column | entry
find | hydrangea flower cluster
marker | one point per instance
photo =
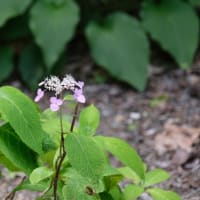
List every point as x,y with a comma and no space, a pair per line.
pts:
54,84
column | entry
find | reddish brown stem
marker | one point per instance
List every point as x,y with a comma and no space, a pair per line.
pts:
74,117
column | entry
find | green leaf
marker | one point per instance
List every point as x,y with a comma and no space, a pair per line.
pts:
16,151
155,176
124,152
127,172
12,8
111,177
77,187
51,125
159,194
6,163
26,185
89,120
53,26
121,47
11,31
116,193
31,66
132,192
23,116
85,156
39,174
174,24
195,2
6,55
105,196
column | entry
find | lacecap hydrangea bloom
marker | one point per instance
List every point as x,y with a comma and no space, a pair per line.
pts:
57,86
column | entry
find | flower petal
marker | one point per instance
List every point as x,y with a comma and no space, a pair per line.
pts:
59,102
81,98
54,107
53,100
40,94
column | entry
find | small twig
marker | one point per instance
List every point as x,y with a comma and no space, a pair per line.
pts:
11,195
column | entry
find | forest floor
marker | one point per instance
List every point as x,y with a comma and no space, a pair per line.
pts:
162,124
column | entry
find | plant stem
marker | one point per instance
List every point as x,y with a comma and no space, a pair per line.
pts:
62,152
74,117
61,157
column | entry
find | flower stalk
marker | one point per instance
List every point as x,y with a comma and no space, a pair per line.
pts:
54,84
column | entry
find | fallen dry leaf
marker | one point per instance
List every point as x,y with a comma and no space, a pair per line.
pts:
176,137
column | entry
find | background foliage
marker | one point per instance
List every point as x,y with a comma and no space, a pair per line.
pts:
35,34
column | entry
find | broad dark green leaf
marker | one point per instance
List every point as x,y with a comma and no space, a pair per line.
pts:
12,8
85,156
132,192
31,66
120,45
16,151
11,31
89,120
6,62
53,26
159,194
77,187
124,153
155,176
23,116
195,2
174,24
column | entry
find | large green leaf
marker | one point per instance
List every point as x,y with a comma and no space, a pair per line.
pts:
195,2
155,176
89,120
174,24
85,156
159,194
123,152
77,187
31,66
11,8
16,151
53,26
22,114
120,45
6,63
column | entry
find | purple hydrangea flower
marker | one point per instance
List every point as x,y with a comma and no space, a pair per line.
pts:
55,103
78,96
56,85
40,94
80,84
